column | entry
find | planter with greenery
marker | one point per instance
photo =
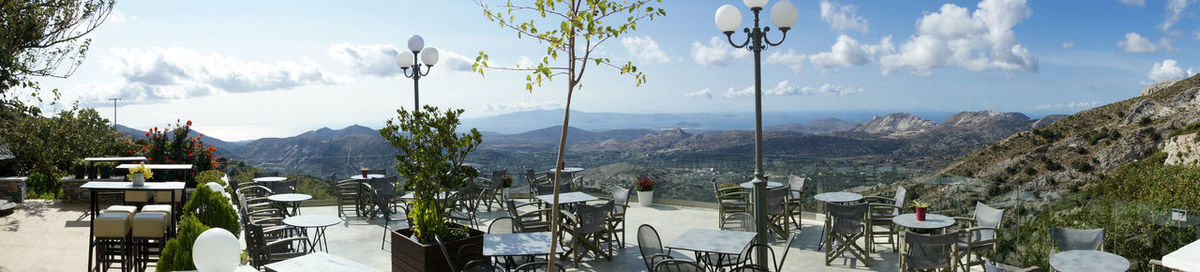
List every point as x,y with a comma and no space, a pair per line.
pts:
206,209
431,158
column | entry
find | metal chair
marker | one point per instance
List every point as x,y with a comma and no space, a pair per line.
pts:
735,222
460,206
349,197
263,252
588,228
749,268
847,224
651,246
381,192
493,192
883,209
730,200
539,266
616,222
923,252
776,263
1075,239
795,202
677,266
534,221
980,235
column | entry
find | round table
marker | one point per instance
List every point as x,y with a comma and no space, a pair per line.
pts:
293,199
1088,260
369,176
567,170
932,221
770,185
269,179
318,222
838,197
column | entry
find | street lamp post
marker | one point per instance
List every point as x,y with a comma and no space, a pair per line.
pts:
406,61
728,19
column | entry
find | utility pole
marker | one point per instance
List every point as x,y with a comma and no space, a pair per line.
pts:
114,120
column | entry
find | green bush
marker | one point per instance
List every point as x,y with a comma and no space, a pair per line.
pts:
177,254
213,209
211,176
43,186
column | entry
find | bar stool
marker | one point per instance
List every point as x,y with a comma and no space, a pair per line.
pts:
120,209
149,230
138,198
157,208
111,230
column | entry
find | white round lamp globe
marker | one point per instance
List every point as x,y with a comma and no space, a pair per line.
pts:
416,43
405,59
429,56
216,250
728,18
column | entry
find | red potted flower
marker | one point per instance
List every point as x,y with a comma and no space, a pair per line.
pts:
645,188
920,208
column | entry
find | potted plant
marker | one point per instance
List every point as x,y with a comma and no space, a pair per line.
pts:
106,169
364,171
645,190
920,208
79,168
431,155
138,174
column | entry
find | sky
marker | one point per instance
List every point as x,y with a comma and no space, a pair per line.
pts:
250,69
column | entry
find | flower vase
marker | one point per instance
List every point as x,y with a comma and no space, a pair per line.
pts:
138,179
646,198
364,173
920,214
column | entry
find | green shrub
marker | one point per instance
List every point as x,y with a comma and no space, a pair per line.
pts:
1082,166
213,209
211,176
177,254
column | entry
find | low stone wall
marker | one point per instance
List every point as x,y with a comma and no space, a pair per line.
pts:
12,188
70,188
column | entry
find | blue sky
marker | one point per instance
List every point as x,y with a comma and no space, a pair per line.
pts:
250,69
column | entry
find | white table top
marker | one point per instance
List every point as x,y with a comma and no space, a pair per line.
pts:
1186,258
110,159
712,240
770,185
369,176
567,170
158,166
312,221
439,196
567,198
319,261
1088,261
289,197
838,197
932,221
516,244
269,179
122,185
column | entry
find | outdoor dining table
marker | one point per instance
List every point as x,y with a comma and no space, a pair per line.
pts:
290,200
439,196
94,187
568,198
319,262
725,242
1088,261
932,223
269,179
1186,258
749,185
369,176
317,222
175,166
834,197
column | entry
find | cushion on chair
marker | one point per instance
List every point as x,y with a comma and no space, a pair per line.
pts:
111,225
149,224
120,208
157,208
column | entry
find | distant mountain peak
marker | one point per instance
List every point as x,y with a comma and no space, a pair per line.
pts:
895,124
326,133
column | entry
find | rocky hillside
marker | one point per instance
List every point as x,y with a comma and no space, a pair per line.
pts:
819,126
895,124
321,152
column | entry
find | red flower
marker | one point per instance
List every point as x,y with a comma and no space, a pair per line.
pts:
189,123
147,134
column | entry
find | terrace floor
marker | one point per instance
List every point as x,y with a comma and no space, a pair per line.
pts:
51,236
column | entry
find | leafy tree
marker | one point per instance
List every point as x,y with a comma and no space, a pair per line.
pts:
48,145
431,158
44,38
576,29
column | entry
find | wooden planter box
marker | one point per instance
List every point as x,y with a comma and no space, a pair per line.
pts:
410,255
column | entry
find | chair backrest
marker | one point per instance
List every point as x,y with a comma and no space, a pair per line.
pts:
649,244
677,266
901,194
1076,239
986,216
502,225
796,186
738,221
539,266
540,189
497,177
256,245
620,197
847,219
775,199
280,187
750,268
385,190
445,253
255,191
929,251
593,219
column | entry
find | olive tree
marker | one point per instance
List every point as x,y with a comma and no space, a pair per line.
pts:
573,29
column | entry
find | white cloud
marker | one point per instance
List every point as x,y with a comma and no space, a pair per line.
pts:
523,105
1069,106
1196,35
1174,10
847,52
1165,44
789,58
718,52
1136,3
157,74
644,49
705,93
785,88
842,17
1068,44
979,41
380,59
1135,43
1168,69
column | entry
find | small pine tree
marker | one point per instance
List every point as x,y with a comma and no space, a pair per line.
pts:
177,254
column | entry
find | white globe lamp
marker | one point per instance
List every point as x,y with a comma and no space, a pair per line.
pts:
784,14
416,43
216,250
429,56
753,4
728,18
405,59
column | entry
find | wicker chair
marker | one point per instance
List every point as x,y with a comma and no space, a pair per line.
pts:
923,252
677,266
978,236
588,228
847,224
883,209
1074,239
651,246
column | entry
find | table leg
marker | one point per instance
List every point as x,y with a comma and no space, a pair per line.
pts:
92,227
